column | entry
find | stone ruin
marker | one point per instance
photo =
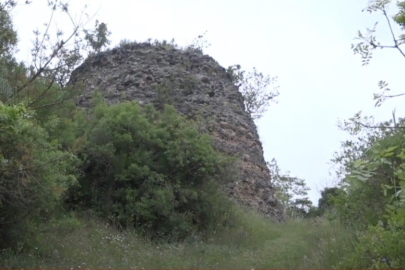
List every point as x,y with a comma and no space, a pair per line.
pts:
197,86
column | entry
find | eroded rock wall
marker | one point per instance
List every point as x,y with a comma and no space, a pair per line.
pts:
196,85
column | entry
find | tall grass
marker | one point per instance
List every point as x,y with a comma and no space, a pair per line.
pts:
255,243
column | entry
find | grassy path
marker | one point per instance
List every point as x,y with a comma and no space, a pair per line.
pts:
256,244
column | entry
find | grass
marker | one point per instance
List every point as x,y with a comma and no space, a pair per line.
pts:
256,243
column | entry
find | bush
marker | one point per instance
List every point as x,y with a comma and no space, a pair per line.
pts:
34,173
363,207
152,171
372,167
380,246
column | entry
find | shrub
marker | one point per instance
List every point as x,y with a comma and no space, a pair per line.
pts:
363,207
380,246
33,172
152,171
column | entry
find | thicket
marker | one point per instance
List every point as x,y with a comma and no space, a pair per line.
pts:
151,171
35,173
133,167
370,197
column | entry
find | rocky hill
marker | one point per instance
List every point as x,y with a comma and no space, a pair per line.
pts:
198,87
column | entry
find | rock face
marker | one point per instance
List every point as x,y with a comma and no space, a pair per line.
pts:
197,86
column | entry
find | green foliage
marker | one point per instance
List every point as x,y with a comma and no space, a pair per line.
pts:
34,173
98,38
292,192
326,202
54,57
371,198
313,212
37,160
5,87
369,167
165,92
254,88
9,69
379,246
151,171
368,41
8,36
255,243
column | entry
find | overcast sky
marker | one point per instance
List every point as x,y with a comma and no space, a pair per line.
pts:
305,43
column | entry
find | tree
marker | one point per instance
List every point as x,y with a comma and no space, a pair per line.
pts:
372,198
366,167
373,202
151,171
8,42
384,152
98,38
325,203
8,36
37,148
54,58
368,42
254,87
292,192
34,172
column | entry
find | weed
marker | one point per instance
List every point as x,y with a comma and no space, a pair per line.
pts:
255,243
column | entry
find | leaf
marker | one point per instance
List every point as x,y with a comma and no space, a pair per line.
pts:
362,178
402,155
388,154
391,149
368,175
358,164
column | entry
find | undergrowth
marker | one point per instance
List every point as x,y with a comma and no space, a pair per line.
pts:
83,241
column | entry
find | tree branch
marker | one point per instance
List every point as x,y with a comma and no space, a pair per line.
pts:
43,93
403,94
367,126
392,33
40,70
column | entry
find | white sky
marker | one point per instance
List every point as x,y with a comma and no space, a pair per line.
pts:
306,43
